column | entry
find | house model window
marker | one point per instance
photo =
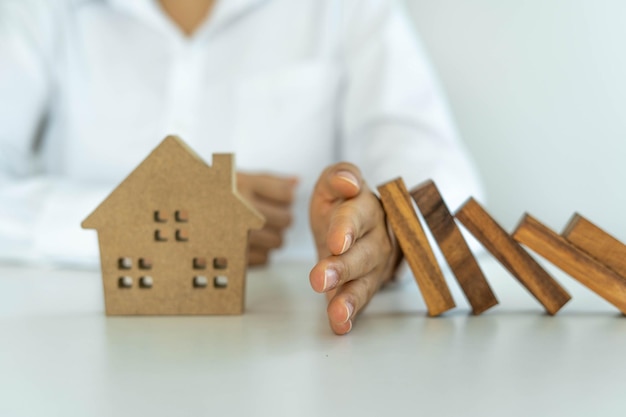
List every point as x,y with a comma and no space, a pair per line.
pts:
162,234
124,263
145,282
220,282
182,235
173,236
220,266
199,263
160,216
220,263
181,216
200,281
145,263
125,282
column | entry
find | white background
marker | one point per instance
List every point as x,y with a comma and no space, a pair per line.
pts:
538,90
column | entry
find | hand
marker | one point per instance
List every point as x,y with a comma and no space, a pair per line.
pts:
272,196
356,251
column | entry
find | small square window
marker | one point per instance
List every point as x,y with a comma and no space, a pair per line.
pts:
125,282
160,236
220,263
160,216
124,263
182,235
145,282
145,263
220,282
182,216
200,282
199,263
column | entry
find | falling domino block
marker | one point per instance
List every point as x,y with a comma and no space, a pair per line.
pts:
414,244
581,266
453,246
514,258
589,238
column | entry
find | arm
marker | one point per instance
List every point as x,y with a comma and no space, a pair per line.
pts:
394,123
395,119
39,214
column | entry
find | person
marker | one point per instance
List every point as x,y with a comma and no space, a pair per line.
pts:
320,101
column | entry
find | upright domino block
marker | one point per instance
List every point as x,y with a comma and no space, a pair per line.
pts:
514,258
414,244
589,238
556,249
453,246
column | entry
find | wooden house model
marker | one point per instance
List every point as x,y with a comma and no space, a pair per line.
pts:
173,236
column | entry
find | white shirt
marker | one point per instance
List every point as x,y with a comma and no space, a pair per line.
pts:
88,88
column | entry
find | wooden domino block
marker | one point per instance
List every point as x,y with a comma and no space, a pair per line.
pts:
514,258
589,238
556,249
414,244
453,246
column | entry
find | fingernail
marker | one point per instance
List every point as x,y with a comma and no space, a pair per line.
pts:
331,278
349,177
349,311
347,241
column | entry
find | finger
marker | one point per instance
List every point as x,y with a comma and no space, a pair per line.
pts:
351,220
349,300
274,188
277,217
366,254
265,239
257,257
337,182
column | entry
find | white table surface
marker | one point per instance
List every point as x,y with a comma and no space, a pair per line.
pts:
61,356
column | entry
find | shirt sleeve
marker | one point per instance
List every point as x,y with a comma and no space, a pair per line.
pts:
39,215
395,120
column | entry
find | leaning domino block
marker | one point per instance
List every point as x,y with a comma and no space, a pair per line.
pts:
414,244
589,238
514,258
581,266
453,246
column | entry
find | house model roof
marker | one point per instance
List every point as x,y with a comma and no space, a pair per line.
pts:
174,175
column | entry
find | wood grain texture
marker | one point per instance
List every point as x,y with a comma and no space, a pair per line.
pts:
589,238
514,258
589,272
454,247
414,244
